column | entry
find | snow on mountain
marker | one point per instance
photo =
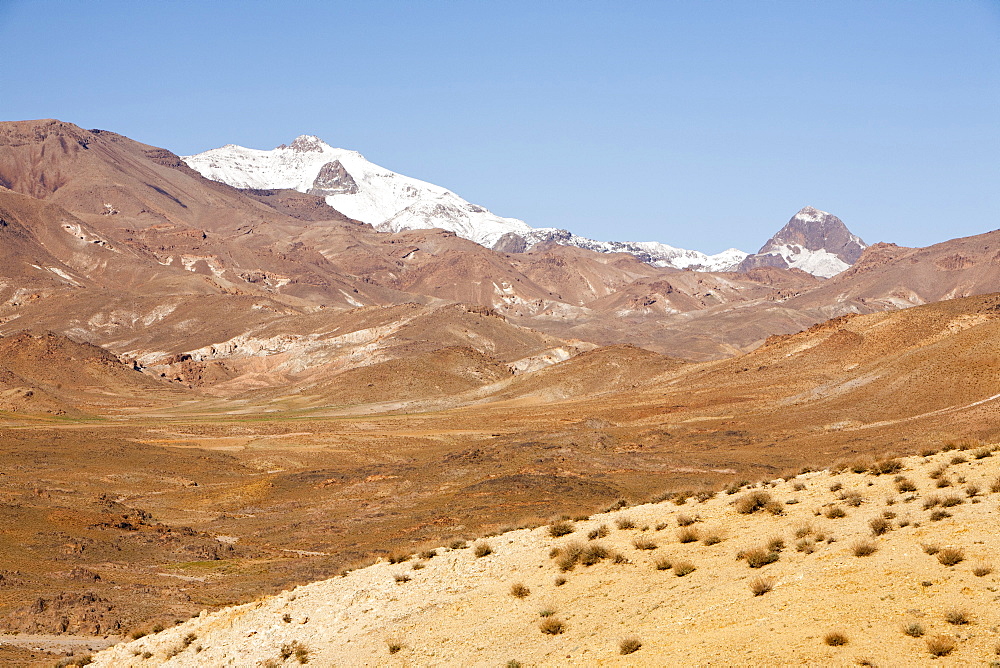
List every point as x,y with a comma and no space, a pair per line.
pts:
814,241
392,202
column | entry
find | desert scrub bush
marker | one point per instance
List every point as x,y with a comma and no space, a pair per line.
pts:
761,585
972,490
458,544
958,459
864,548
943,482
931,501
752,502
776,544
711,538
905,485
398,558
629,645
428,554
599,532
758,557
836,487
644,543
568,555
805,546
940,645
482,549
418,565
736,487
593,553
951,501
995,485
939,515
619,558
625,523
957,617
913,629
680,498
879,526
662,563
400,578
938,472
886,466
776,508
519,590
853,499
982,569
950,556
561,528
982,453
799,486
296,649
860,465
660,526
931,549
394,645
835,638
834,512
684,520
188,639
803,530
682,568
560,581
552,626
688,535
704,495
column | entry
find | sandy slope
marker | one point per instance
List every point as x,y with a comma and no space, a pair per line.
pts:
458,610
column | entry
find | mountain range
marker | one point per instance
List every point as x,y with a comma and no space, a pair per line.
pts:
392,202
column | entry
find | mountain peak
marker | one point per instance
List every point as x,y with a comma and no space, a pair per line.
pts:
307,143
814,241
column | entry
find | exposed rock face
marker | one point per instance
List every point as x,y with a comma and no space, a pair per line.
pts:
333,179
814,241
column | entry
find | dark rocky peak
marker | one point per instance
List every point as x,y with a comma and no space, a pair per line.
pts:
333,179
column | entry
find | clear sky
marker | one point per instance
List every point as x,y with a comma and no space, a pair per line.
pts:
699,124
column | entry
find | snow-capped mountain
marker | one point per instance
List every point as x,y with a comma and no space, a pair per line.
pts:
814,241
392,202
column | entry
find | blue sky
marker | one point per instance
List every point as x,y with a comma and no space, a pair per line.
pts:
700,124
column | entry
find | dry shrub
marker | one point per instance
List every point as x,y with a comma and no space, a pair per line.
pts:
879,526
629,645
834,512
428,554
561,528
952,501
712,538
905,485
886,466
519,590
804,530
940,645
682,568
761,585
593,554
806,546
982,569
569,555
957,617
685,520
950,556
624,523
931,501
798,487
644,543
752,502
552,626
662,563
995,486
417,565
853,499
394,645
560,581
931,549
938,472
864,548
835,639
482,549
704,495
836,487
776,544
958,459
942,482
982,453
599,532
760,556
401,578
939,515
457,544
972,491
913,629
398,558
688,535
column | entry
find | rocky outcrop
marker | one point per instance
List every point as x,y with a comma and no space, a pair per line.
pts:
333,179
